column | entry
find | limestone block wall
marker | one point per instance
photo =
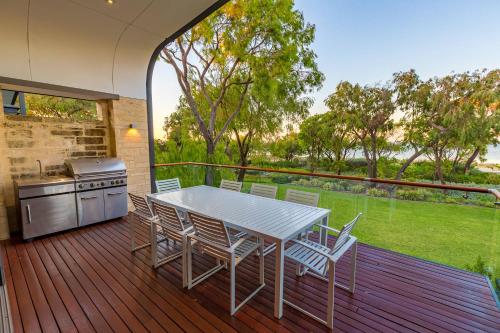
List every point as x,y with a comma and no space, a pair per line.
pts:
131,144
25,139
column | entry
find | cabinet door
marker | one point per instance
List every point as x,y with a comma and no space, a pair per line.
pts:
115,202
90,207
45,215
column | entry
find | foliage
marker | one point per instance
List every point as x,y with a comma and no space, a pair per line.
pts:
376,192
311,140
287,147
60,107
242,60
367,112
480,266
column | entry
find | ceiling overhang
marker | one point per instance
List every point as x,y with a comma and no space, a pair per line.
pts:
89,44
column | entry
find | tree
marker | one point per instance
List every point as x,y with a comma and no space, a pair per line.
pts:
287,147
480,107
368,111
239,50
337,136
311,140
60,107
413,98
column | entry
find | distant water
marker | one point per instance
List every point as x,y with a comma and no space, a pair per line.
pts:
493,155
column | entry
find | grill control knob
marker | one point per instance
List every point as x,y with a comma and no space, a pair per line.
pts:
102,183
121,181
112,182
91,184
80,186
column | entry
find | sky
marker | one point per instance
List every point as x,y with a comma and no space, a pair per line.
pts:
367,41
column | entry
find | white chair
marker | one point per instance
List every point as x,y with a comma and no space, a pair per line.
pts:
319,261
231,185
300,197
170,225
261,190
168,185
214,240
141,215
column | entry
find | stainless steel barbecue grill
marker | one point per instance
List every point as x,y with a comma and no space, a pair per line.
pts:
95,190
101,188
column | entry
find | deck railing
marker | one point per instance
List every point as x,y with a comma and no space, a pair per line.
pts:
454,225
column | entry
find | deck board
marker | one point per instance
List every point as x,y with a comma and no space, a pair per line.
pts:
87,280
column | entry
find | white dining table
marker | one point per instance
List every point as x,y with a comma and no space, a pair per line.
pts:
273,220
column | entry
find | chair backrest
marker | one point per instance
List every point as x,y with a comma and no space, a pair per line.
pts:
267,191
344,234
231,185
141,205
168,216
168,185
301,197
210,229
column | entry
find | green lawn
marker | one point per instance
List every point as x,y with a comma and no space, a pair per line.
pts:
446,233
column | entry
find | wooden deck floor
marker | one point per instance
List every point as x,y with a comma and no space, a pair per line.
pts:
87,280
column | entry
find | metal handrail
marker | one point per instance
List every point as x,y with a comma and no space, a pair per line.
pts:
494,192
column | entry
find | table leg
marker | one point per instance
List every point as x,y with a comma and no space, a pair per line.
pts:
324,232
278,279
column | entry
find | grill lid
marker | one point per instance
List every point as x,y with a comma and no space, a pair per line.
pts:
83,167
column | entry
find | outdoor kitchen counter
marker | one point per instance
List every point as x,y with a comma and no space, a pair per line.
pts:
44,181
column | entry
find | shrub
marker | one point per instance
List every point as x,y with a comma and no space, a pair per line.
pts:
414,195
357,189
281,179
375,192
316,182
328,186
480,266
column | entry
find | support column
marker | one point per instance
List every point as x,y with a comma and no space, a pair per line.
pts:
131,143
4,223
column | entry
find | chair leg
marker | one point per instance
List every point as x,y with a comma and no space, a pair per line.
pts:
261,261
232,290
331,295
352,280
184,262
154,245
189,264
131,229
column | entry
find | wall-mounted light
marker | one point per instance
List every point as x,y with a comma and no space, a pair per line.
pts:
132,125
110,2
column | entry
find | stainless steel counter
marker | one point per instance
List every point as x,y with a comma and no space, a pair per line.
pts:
43,181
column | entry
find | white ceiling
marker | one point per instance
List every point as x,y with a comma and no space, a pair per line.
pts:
88,44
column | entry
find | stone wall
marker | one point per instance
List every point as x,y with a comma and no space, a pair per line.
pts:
23,140
27,139
131,144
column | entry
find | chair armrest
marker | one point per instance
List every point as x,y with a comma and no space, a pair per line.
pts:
328,228
312,248
238,243
340,252
205,241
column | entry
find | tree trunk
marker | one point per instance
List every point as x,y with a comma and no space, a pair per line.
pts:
241,174
454,166
409,161
374,156
471,159
438,166
209,171
368,160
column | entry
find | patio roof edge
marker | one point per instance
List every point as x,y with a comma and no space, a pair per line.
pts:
53,90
